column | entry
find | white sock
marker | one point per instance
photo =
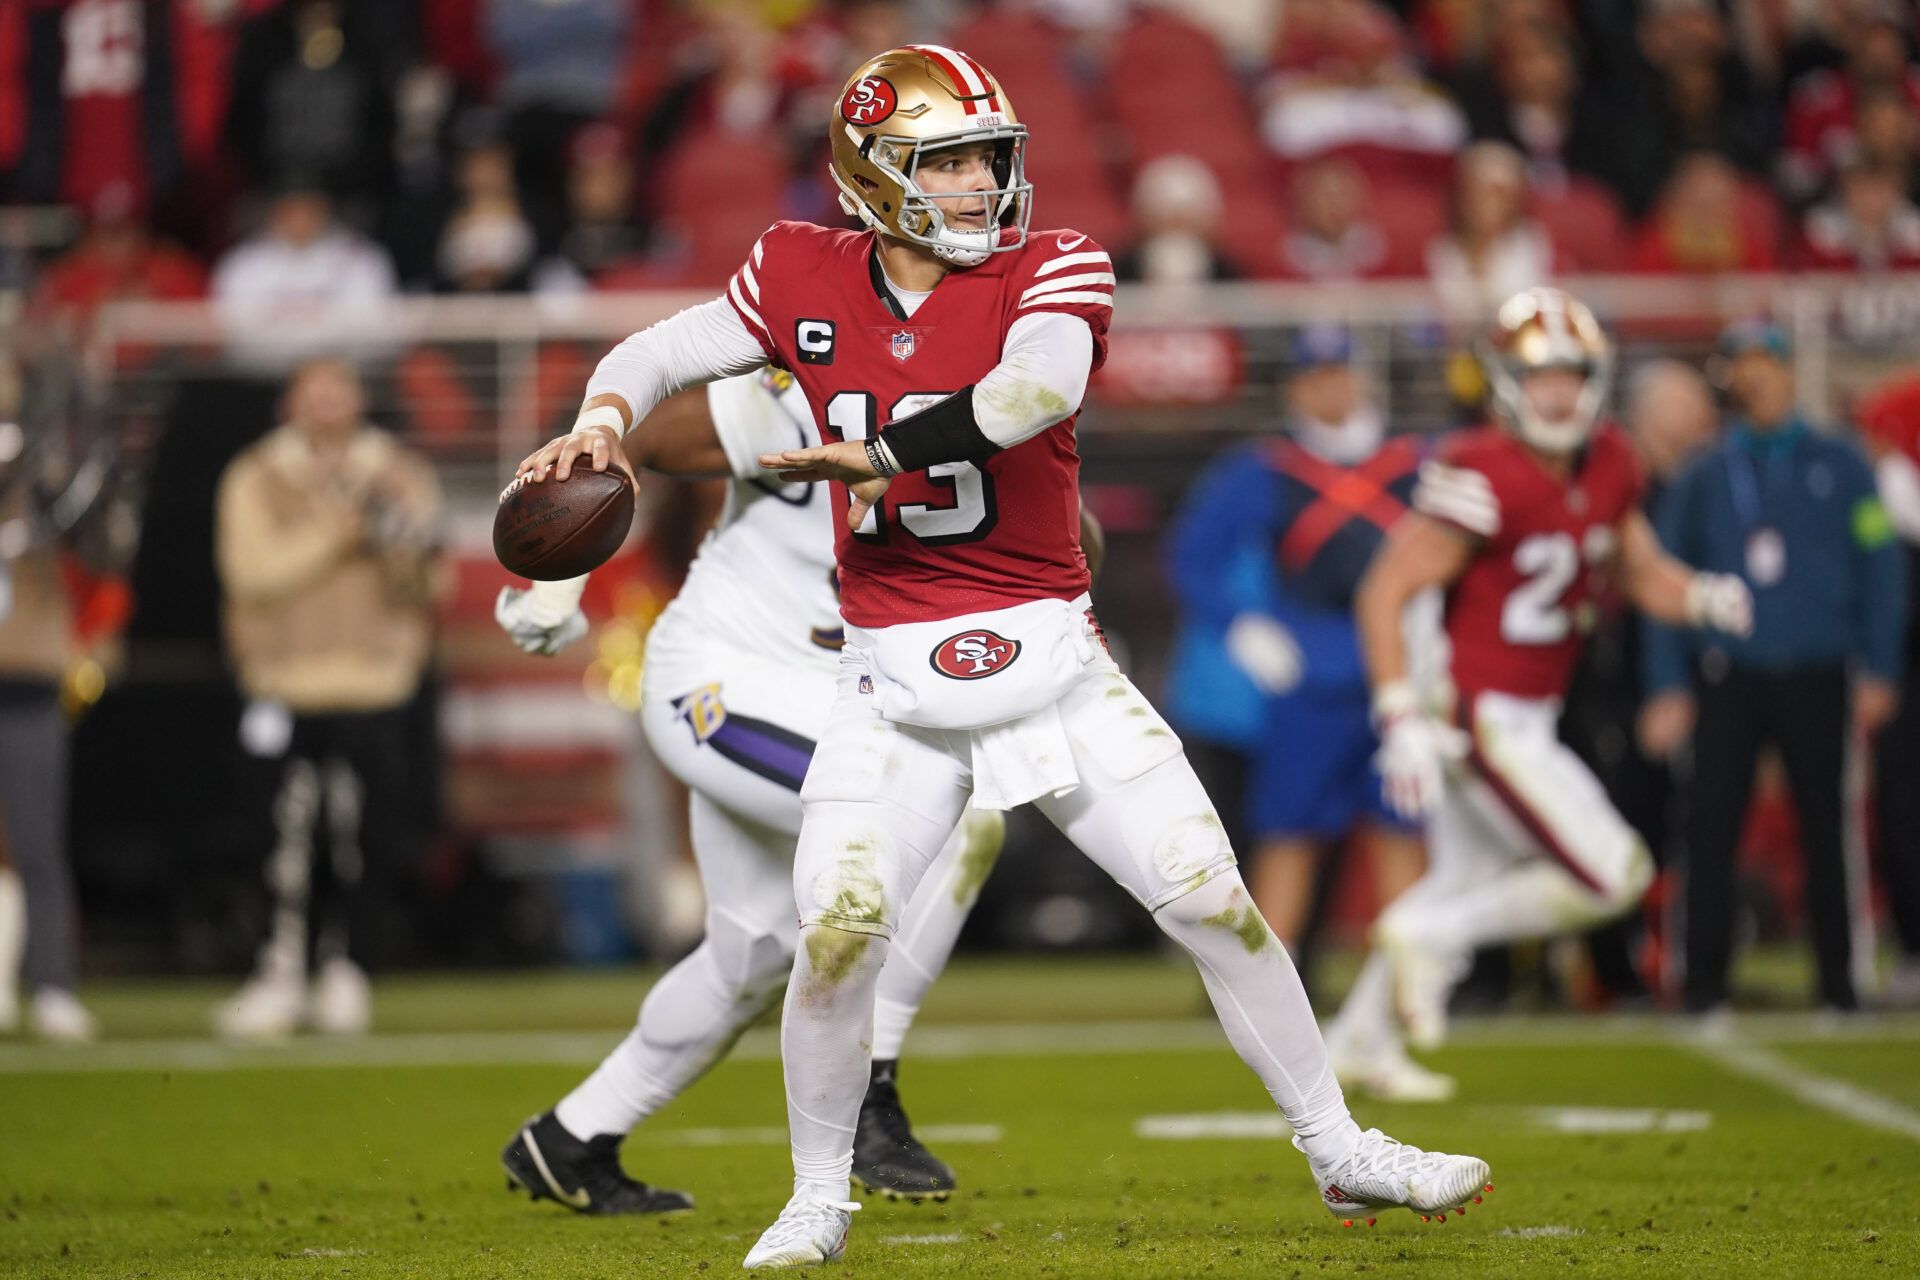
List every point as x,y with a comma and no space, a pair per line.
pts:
826,1031
1365,1024
13,933
891,1019
1531,899
931,925
687,1023
1264,1009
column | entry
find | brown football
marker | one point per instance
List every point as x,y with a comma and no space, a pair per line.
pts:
563,528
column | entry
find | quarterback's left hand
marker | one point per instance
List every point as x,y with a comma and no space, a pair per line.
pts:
1721,602
534,628
843,460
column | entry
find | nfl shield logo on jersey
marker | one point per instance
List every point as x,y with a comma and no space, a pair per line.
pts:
902,345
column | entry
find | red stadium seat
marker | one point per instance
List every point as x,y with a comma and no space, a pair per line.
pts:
1586,223
704,239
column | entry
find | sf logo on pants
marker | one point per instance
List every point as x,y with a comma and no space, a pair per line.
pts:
973,654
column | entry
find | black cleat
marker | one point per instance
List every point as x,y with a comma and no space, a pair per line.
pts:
887,1158
548,1163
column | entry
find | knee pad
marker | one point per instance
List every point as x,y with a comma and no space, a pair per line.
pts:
750,957
836,960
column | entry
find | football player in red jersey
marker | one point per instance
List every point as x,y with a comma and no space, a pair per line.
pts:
1520,523
944,350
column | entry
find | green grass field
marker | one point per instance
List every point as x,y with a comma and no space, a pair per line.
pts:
161,1154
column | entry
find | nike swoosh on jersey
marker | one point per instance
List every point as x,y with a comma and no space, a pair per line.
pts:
1064,244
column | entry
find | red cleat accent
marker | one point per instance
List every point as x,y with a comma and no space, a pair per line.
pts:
1489,1186
1426,1217
1443,1217
1346,1222
1478,1199
1462,1211
1371,1221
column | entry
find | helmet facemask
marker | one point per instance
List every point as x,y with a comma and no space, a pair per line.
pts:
1564,435
1539,330
899,160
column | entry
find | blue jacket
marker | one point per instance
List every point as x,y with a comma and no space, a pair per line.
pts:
1229,553
1842,597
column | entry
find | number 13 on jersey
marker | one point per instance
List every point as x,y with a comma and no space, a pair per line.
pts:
970,514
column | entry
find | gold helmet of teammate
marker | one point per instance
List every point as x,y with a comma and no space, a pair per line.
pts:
1538,329
911,101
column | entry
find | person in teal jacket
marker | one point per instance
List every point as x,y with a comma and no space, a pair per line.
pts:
1795,513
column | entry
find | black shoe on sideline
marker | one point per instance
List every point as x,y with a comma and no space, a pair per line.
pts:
548,1163
887,1158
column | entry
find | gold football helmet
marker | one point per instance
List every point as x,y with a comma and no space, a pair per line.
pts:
906,103
1545,328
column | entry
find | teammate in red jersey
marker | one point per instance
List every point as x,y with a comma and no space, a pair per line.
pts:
1523,523
945,351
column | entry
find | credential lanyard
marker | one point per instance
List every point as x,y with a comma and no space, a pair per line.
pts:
1744,482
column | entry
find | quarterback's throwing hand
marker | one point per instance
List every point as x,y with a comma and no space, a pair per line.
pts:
598,445
534,628
843,460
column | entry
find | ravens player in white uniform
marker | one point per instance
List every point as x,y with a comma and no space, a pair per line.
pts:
738,678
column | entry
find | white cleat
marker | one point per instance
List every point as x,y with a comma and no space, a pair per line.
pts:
268,1007
1391,1076
342,1002
807,1233
59,1017
1382,1173
1423,980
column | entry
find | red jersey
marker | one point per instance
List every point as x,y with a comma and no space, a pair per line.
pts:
958,538
1519,614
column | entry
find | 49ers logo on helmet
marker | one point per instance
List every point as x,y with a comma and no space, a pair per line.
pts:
972,655
869,101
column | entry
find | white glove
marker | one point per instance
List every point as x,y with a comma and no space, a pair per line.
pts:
1720,601
1415,750
1266,651
544,620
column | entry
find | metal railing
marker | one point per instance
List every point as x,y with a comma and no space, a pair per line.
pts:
515,365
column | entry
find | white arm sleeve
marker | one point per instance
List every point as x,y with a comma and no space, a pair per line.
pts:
1040,380
698,345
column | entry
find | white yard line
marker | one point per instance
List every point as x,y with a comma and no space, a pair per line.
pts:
934,1041
769,1136
1843,1099
1213,1126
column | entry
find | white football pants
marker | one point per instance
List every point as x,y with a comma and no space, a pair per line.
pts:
880,802
1525,844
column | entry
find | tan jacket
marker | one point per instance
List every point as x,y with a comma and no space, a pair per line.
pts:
319,616
36,618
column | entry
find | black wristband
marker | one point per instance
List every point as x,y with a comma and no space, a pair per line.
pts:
877,458
945,432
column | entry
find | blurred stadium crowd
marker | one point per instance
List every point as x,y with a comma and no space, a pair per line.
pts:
358,148
271,157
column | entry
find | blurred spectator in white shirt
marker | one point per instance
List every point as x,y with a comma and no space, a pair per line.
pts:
1491,249
300,286
1176,218
1869,225
1331,235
